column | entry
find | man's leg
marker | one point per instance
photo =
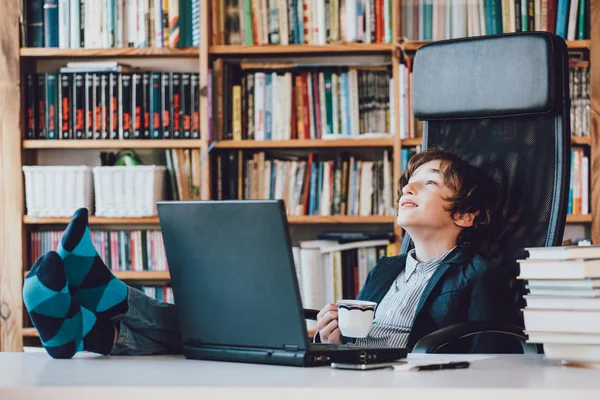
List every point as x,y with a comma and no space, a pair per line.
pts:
148,327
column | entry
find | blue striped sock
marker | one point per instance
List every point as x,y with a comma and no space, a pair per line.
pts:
90,280
64,326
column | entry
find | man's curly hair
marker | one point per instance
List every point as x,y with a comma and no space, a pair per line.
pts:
474,192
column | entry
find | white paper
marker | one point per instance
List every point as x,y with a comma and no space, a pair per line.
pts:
418,359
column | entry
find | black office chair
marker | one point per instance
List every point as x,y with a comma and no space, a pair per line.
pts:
502,103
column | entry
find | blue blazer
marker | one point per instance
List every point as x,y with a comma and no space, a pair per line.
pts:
462,289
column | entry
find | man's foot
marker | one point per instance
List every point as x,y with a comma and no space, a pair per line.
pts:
64,326
89,279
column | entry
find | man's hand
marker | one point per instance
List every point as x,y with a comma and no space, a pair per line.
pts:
327,324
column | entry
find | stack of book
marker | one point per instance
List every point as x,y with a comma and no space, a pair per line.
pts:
563,303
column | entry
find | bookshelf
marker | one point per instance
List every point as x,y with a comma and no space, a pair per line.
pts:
15,152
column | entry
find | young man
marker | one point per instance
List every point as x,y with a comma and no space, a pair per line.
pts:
446,206
77,304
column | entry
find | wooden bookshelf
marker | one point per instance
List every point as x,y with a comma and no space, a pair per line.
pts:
353,48
411,142
342,219
581,140
334,219
579,219
112,144
28,220
303,143
52,52
144,276
30,332
571,44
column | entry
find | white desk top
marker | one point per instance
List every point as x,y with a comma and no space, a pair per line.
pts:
37,376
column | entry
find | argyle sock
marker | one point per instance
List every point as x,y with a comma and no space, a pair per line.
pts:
89,279
64,326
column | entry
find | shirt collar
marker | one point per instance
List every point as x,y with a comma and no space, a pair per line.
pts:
427,266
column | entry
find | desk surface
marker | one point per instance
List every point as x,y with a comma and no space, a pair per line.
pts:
37,376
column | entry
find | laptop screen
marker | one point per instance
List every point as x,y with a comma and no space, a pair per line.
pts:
233,274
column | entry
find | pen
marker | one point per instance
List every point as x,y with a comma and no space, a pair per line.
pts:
450,365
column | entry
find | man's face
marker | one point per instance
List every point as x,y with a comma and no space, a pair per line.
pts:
422,204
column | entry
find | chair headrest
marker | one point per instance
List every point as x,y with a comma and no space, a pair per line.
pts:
488,76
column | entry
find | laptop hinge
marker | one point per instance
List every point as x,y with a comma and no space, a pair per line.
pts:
290,347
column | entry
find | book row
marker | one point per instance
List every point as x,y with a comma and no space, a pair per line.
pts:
317,22
122,250
344,185
449,19
111,23
329,271
322,103
145,105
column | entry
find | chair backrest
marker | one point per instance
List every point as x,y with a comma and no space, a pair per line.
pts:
502,103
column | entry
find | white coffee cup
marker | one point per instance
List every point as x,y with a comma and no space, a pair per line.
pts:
355,317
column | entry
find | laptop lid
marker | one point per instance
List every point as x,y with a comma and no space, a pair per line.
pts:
232,272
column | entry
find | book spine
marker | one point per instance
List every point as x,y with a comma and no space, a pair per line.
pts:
41,106
51,23
97,106
89,106
195,101
165,106
30,107
126,106
114,120
78,105
145,106
50,102
250,105
35,23
74,23
63,24
66,125
105,106
186,105
176,105
82,23
137,106
155,98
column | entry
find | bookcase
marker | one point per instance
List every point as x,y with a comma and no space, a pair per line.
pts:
16,151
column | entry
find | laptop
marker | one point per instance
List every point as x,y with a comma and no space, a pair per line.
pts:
234,282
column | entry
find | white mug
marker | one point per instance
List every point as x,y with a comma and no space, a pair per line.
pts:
355,317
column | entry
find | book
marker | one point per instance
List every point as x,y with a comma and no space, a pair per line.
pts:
563,252
574,321
562,303
559,269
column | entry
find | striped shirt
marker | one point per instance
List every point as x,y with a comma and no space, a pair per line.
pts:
395,313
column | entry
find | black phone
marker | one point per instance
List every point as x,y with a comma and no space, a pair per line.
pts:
361,367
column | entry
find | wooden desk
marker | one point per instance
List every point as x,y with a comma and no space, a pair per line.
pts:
37,376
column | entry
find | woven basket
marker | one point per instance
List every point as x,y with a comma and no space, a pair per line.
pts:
57,191
128,191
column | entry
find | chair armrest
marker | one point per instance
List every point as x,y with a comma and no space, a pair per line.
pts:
310,314
434,341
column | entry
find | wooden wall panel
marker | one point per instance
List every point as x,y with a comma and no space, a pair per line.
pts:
11,183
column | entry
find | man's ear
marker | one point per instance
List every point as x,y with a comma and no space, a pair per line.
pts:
465,220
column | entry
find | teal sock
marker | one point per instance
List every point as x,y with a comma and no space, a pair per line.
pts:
64,326
89,279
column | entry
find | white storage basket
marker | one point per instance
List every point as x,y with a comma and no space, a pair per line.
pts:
57,191
128,191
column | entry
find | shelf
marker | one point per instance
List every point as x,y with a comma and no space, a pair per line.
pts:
585,140
30,332
143,275
92,220
342,219
112,144
579,219
53,52
303,143
354,48
412,142
571,44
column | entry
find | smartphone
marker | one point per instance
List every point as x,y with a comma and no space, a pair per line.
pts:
361,367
